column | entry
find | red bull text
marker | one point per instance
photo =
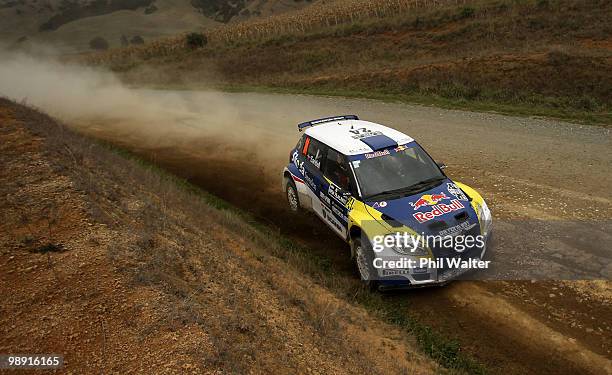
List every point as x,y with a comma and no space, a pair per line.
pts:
438,210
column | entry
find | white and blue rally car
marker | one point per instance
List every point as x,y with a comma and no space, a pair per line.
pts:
368,182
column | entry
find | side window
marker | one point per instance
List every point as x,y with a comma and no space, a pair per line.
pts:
314,151
300,144
337,170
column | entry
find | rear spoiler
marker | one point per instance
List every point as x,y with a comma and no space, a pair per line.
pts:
308,124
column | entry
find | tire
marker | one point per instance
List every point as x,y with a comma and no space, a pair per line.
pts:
292,196
364,257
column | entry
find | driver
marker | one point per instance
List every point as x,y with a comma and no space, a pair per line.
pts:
341,172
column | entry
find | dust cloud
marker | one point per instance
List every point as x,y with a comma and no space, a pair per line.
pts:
80,95
96,102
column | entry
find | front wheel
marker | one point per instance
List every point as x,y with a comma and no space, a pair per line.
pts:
292,196
364,263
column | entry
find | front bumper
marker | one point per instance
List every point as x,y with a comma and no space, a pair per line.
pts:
431,277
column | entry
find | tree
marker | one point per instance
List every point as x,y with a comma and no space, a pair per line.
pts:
98,43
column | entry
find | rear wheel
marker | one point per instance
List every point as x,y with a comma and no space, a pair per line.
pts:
364,259
292,196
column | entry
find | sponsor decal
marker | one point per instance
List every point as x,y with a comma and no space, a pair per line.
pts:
300,166
361,133
438,210
329,217
334,192
381,204
298,163
324,198
338,212
310,181
315,162
377,154
400,148
457,229
395,272
350,203
428,200
456,191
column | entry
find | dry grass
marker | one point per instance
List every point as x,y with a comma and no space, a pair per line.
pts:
323,15
315,17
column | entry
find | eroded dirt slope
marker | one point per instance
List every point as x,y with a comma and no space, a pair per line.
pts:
112,265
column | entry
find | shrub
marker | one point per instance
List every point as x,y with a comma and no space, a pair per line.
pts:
196,40
150,9
466,12
557,56
98,43
137,39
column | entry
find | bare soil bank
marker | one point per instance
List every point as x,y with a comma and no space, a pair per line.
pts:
121,270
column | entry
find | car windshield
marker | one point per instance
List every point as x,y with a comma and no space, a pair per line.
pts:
395,171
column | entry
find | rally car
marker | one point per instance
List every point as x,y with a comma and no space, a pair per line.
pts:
368,181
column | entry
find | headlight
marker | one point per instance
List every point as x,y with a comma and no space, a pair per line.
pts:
485,218
405,245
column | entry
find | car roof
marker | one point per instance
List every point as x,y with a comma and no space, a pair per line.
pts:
343,136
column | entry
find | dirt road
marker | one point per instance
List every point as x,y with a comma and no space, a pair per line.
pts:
547,183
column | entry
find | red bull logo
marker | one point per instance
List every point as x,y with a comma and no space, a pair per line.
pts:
428,200
438,210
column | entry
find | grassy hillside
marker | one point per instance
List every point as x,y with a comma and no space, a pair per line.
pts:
539,57
70,25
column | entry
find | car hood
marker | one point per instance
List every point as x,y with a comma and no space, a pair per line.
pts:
441,209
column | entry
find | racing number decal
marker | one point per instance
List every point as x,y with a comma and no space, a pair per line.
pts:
359,131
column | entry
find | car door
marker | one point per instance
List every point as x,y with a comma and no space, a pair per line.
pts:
311,158
337,187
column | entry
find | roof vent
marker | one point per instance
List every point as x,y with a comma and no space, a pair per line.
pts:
379,142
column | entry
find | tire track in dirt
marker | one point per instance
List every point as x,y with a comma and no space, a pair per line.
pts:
465,310
517,325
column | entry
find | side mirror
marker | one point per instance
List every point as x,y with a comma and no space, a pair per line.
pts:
441,165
